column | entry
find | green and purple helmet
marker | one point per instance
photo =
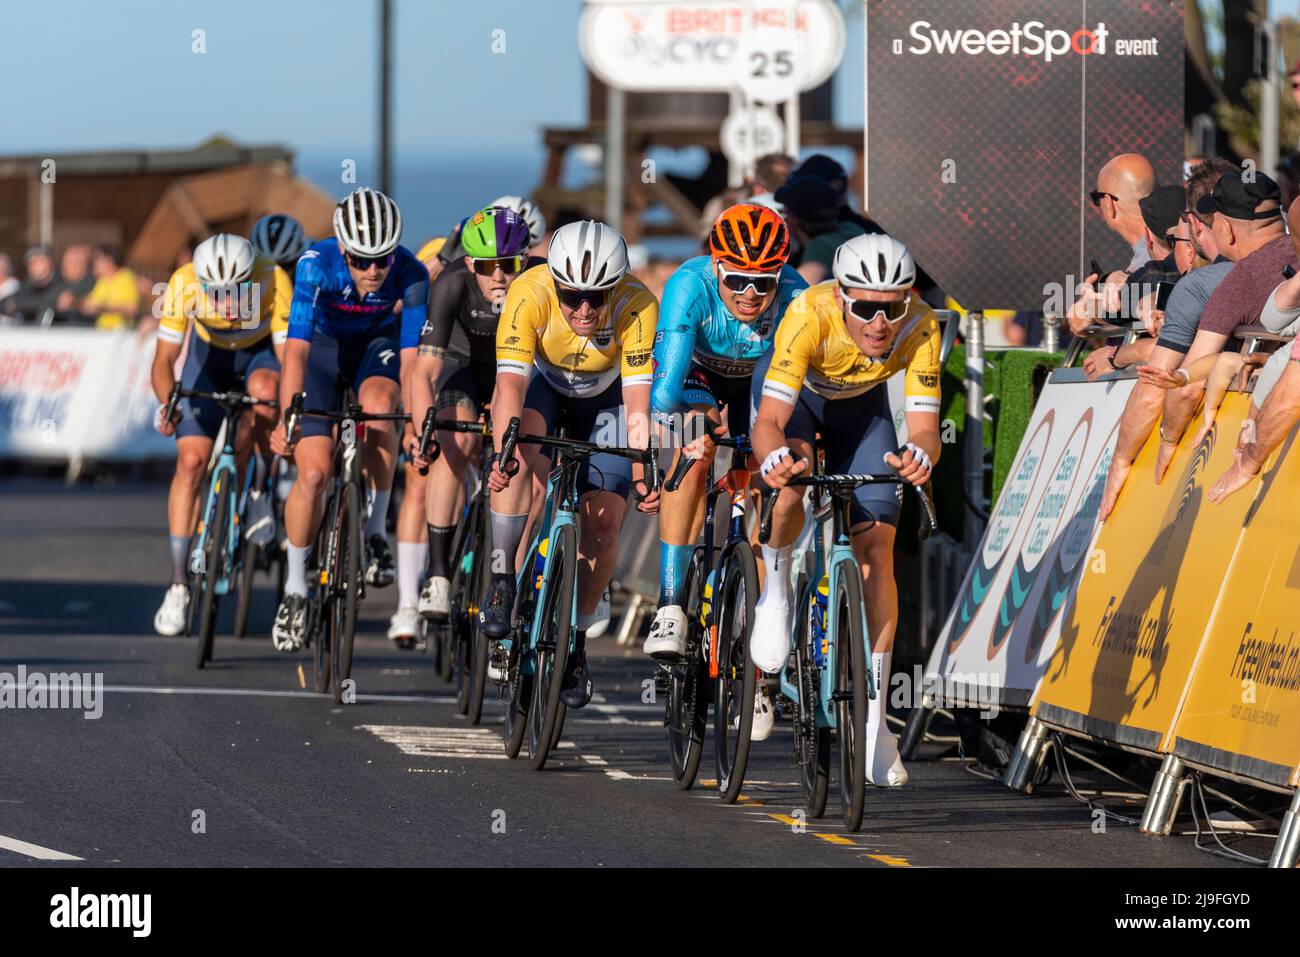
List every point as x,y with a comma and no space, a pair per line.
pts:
494,233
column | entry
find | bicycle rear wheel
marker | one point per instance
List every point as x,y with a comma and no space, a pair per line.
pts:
214,550
320,622
813,742
851,694
552,648
247,576
737,681
472,646
688,704
345,585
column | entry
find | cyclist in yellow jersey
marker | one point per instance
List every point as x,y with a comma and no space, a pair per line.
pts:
835,347
576,335
239,306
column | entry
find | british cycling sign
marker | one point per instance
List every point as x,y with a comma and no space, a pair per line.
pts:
698,47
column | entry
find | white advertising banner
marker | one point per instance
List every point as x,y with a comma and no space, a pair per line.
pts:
697,47
1000,633
77,393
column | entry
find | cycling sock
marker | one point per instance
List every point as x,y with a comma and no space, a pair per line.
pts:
674,563
440,537
377,522
295,579
776,579
507,530
410,566
180,548
876,706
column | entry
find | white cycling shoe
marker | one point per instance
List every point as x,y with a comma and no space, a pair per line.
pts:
435,599
601,616
884,765
764,716
404,626
169,621
769,645
667,639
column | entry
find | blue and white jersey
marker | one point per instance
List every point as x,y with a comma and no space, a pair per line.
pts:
695,327
326,300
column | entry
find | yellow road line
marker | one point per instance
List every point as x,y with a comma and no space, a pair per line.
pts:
835,839
890,859
302,678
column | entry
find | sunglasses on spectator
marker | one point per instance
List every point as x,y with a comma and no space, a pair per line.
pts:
507,264
1171,239
739,282
867,310
574,298
363,263
1097,194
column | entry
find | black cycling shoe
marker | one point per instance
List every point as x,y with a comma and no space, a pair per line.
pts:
576,690
494,615
380,571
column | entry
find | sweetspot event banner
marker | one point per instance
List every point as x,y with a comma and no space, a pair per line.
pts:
1003,627
987,123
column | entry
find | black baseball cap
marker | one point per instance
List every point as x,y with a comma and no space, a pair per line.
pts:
825,168
1236,198
809,198
1162,209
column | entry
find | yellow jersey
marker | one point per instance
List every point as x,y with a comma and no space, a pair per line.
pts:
118,296
812,347
533,333
429,251
260,309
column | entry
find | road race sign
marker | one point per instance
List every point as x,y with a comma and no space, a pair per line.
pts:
749,132
701,46
986,125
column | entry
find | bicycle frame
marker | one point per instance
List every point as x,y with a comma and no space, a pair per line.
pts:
735,485
226,467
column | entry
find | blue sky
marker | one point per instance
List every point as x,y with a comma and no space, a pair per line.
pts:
96,74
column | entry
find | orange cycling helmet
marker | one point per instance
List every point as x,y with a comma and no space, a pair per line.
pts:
750,237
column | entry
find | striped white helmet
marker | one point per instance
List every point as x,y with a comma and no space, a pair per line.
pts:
223,260
874,261
278,237
368,223
530,214
587,255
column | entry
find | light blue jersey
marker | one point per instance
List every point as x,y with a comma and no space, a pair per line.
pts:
696,328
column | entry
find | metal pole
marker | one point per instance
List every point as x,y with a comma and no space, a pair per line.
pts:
1269,116
792,104
615,154
1162,802
735,172
973,450
1051,333
47,214
385,101
1287,849
1028,757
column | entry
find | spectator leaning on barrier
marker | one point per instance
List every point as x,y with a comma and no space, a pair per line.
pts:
115,299
1248,229
76,283
1123,181
1178,327
37,293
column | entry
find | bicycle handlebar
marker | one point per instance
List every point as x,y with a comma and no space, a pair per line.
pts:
740,443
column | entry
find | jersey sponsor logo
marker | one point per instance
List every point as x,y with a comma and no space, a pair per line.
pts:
659,337
603,337
779,391
638,359
386,356
928,379
516,368
511,341
309,254
426,328
921,403
574,359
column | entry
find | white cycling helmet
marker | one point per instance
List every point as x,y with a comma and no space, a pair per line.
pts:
368,223
874,261
587,255
278,237
223,260
530,213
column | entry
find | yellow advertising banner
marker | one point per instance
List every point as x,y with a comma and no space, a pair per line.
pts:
1133,628
1242,711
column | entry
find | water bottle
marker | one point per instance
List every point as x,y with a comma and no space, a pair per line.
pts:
821,598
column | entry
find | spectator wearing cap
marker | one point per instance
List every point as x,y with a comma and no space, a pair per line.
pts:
770,173
38,291
813,210
76,283
1275,402
115,299
1175,331
1247,225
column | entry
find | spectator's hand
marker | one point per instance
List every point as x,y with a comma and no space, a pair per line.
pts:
1115,480
1237,477
1162,378
66,301
1163,457
1099,362
1152,318
1084,311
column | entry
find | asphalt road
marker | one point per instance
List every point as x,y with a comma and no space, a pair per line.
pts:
239,765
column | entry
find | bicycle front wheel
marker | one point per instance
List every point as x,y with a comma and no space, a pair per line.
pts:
813,743
552,648
737,681
214,550
346,584
688,705
851,694
247,575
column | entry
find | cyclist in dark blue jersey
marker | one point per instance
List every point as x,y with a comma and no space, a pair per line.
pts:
344,333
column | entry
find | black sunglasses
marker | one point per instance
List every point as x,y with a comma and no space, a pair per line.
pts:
867,310
507,264
1097,194
1171,239
363,263
574,298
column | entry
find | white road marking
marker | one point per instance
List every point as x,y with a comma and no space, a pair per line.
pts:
35,850
270,693
425,742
